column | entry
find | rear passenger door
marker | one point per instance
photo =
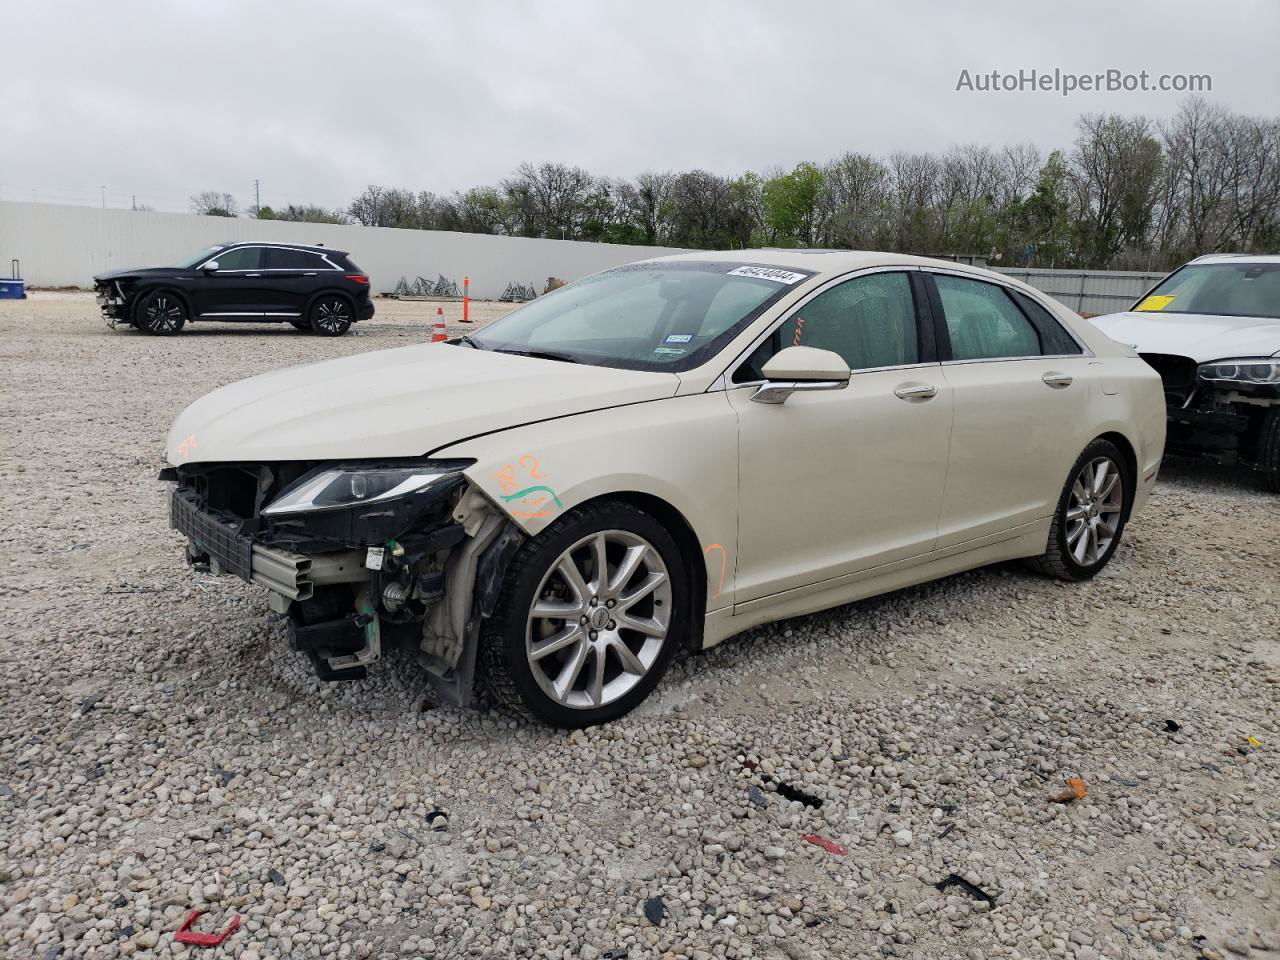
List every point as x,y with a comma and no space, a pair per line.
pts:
1021,388
292,276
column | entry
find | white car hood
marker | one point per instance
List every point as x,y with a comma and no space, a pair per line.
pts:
395,403
1202,337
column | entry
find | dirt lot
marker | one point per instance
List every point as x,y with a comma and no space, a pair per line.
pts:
163,750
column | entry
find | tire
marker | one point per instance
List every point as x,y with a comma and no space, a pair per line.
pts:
304,325
331,315
160,313
1269,449
1079,544
529,660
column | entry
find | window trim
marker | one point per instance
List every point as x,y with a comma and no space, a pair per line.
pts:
925,339
943,335
273,246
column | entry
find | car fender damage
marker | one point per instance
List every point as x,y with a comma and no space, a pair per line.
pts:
421,571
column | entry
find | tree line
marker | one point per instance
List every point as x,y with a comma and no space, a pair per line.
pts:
1130,192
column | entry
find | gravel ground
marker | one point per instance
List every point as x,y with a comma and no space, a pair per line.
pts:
163,751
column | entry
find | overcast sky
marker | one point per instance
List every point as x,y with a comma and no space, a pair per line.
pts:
318,99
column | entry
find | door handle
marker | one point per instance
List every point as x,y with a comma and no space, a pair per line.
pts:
916,391
253,274
1057,380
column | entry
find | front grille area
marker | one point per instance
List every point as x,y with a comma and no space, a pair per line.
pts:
1177,373
221,539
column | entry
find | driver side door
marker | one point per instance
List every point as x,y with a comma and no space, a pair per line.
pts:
834,483
233,291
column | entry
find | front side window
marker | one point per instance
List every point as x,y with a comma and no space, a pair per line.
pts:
983,323
240,258
870,321
650,316
1218,289
197,258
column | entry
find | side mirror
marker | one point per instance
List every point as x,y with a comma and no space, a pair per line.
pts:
801,369
211,266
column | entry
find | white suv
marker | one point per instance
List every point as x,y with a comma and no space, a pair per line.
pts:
1211,329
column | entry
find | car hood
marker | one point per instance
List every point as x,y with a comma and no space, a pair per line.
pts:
395,403
138,272
1202,337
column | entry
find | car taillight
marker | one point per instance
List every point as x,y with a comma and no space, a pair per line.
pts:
359,278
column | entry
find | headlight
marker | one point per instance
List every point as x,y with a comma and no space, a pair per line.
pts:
341,487
1264,371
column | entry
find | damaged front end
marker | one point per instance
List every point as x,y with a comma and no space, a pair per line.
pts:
113,300
358,555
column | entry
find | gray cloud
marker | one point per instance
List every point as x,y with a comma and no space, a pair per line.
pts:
317,98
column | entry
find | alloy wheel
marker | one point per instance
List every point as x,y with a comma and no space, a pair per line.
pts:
332,316
599,619
164,314
1094,509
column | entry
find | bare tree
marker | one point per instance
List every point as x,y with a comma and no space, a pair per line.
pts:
214,204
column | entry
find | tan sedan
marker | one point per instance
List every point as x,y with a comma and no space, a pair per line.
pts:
660,456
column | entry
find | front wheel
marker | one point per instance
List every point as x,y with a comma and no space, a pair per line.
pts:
160,314
331,316
1092,511
1269,449
591,614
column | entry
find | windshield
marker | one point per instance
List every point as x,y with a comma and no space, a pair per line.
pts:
1221,289
198,258
645,316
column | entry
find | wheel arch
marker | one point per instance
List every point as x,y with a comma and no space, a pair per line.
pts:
326,292
140,293
1130,455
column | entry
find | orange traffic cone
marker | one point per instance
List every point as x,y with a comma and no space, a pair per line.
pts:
438,333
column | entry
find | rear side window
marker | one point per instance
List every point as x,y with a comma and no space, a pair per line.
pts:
1056,340
869,321
240,258
279,258
983,323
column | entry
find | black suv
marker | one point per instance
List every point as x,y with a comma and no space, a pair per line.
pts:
313,288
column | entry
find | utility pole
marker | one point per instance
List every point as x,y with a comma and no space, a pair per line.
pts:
257,199
104,197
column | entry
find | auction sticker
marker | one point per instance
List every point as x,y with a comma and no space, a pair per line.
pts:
1155,303
768,273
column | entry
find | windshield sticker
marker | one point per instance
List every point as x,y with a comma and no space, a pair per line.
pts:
1155,303
679,338
526,499
671,351
768,273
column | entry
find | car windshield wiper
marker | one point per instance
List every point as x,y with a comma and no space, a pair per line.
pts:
541,355
466,338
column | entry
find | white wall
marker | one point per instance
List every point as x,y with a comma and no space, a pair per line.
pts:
65,246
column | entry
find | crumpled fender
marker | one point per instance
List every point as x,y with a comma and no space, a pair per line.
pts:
536,473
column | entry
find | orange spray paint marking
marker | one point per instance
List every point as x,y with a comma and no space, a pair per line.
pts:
724,563
795,340
186,446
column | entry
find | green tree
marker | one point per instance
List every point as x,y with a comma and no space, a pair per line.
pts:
791,205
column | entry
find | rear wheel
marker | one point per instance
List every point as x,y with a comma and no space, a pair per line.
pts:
591,614
1092,511
160,313
331,315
